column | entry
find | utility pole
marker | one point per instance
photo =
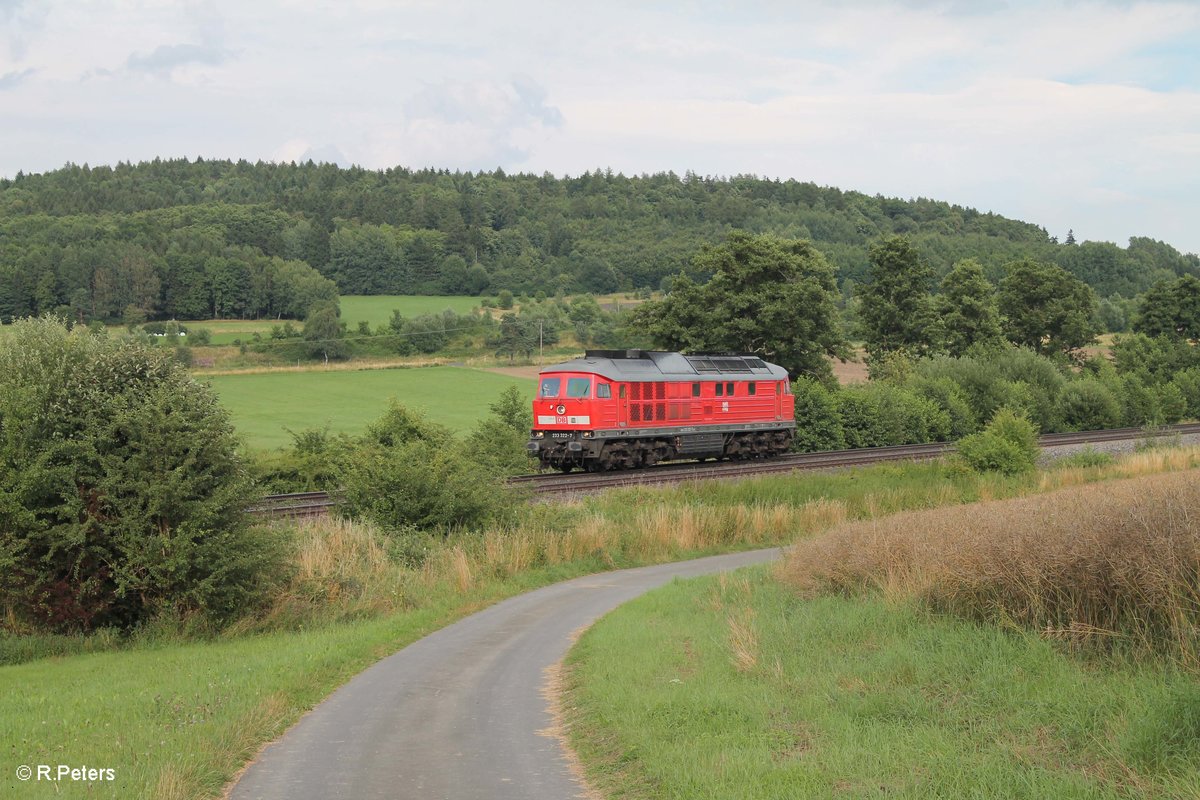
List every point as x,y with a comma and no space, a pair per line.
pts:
540,351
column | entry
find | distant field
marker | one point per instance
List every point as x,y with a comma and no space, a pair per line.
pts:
377,309
264,405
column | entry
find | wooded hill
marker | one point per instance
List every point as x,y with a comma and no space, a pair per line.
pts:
197,239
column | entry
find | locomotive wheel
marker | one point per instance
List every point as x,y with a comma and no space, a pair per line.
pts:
565,468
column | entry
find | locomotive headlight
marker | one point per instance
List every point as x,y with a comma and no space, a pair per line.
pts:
539,434
561,409
587,434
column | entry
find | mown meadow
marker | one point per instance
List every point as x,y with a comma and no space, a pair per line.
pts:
265,406
1040,646
177,708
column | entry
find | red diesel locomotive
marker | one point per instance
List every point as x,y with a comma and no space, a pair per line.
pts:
617,409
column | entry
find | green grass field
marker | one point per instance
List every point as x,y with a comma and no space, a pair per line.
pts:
264,406
739,688
377,309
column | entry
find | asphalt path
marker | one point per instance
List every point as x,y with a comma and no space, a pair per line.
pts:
459,714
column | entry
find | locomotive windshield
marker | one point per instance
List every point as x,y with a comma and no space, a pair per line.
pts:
579,387
549,387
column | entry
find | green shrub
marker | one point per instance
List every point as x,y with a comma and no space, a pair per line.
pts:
947,396
1153,360
121,493
407,471
908,418
400,425
859,418
818,426
1010,376
1089,405
1007,445
1188,383
1151,404
312,463
1171,403
423,485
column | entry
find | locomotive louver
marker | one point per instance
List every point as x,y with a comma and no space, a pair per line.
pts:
725,365
731,365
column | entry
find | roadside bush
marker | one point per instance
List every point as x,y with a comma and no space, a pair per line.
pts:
859,417
998,377
1188,383
423,485
1153,360
121,493
1089,405
1171,403
408,471
1043,378
947,396
818,426
1150,404
908,418
1007,445
400,425
313,462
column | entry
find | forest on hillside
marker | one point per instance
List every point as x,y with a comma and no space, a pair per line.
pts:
213,239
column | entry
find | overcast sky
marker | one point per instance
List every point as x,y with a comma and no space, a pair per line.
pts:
1081,115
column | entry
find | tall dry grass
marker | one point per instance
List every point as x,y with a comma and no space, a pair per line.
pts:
344,569
1106,562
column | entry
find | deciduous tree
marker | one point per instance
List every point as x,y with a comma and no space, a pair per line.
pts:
1045,308
966,310
896,310
768,296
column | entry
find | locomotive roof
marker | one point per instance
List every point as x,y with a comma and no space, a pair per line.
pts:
654,365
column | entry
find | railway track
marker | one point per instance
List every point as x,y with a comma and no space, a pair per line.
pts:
309,504
297,504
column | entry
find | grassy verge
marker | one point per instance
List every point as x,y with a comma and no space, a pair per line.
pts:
739,688
176,717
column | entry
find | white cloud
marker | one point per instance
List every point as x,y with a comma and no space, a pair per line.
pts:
1069,114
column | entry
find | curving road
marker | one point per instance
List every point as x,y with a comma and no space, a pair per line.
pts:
457,714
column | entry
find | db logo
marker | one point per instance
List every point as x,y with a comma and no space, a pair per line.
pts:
560,420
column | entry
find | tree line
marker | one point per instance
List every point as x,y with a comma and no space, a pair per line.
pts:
434,231
201,262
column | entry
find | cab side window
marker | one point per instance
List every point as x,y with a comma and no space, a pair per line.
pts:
549,387
720,389
603,391
729,389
